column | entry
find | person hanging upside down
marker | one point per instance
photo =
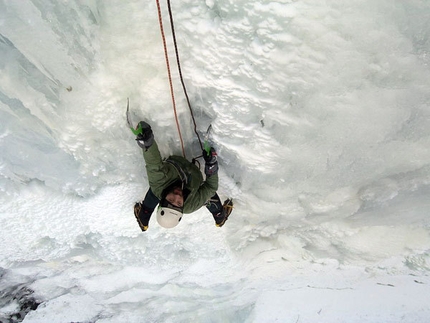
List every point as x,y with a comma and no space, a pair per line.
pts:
177,186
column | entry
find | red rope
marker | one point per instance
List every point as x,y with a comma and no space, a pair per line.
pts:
160,19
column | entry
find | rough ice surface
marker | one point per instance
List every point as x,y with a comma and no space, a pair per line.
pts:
320,115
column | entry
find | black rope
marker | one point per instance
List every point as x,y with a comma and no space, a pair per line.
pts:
180,72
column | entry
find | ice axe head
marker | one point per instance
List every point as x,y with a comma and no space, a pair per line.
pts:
138,129
207,147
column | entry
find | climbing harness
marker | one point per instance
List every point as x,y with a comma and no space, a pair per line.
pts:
182,174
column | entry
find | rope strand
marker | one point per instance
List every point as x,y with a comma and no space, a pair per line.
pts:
180,72
170,76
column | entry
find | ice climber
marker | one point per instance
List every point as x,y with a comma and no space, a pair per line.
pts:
177,186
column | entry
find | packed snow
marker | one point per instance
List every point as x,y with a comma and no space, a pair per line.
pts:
320,114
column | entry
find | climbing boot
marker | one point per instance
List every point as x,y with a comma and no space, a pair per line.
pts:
222,216
142,214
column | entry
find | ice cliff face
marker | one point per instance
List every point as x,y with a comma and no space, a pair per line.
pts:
320,115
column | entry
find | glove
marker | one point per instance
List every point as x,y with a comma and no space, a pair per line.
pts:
146,138
211,165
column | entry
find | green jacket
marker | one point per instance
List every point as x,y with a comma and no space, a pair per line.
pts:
162,173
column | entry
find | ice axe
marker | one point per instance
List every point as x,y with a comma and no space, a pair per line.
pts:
206,145
137,130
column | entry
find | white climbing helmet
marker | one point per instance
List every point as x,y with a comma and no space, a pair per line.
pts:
168,215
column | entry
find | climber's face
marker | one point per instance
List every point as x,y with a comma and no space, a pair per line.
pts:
175,197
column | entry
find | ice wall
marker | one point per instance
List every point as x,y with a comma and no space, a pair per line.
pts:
320,115
48,49
312,103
